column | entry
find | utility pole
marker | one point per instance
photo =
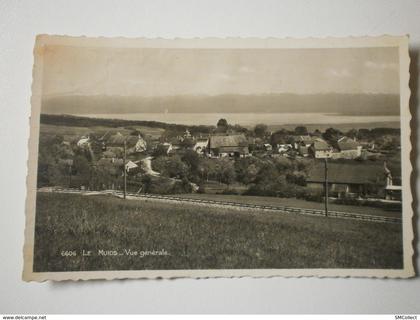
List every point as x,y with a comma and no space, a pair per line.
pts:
70,171
326,186
125,169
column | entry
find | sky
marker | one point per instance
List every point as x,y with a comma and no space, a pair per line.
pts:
167,72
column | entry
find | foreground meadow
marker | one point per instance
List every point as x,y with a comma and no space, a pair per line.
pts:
198,237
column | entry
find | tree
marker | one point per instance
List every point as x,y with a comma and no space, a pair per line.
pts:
301,131
222,123
317,133
222,126
352,133
172,167
187,143
283,164
227,171
136,133
260,130
82,170
207,169
388,142
160,151
364,134
278,137
192,159
331,135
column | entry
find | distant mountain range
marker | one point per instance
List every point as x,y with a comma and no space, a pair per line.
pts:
345,104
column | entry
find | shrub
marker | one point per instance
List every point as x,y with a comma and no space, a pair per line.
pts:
230,191
201,189
313,195
183,186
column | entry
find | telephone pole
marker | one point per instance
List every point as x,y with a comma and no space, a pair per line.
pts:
326,186
125,169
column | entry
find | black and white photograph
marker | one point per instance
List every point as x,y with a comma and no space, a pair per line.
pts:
201,158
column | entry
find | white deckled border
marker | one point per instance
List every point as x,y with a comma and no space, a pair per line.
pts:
351,42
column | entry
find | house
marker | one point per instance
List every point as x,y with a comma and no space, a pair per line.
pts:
235,145
268,147
348,179
166,147
303,150
140,144
187,134
130,165
84,141
320,149
349,148
175,143
200,145
282,148
305,141
134,143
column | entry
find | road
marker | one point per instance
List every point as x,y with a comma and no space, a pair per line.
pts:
147,166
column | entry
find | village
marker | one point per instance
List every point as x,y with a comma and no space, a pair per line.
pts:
363,165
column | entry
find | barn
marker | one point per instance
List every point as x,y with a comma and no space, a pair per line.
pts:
235,145
348,179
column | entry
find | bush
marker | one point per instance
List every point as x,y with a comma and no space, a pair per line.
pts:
313,195
230,191
201,189
183,186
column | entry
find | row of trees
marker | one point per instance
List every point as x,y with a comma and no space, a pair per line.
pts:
262,176
63,164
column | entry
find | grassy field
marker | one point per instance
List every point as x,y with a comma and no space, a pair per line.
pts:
201,237
292,202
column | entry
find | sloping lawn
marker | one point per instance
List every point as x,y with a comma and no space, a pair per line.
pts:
201,237
292,202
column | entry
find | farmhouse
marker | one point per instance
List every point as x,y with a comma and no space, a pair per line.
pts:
320,149
200,145
349,148
130,165
133,143
348,180
303,144
304,141
235,145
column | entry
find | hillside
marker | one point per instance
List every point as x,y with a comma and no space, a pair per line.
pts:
202,238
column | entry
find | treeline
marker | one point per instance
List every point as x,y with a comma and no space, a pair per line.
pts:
75,121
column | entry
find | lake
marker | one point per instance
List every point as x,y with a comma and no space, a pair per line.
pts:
251,119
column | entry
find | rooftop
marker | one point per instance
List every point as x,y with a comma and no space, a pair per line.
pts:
348,173
218,141
346,143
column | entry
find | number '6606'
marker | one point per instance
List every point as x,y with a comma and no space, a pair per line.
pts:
68,253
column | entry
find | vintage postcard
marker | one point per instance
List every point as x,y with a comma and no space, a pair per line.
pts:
154,158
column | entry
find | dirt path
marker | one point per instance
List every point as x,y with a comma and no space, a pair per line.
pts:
147,166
